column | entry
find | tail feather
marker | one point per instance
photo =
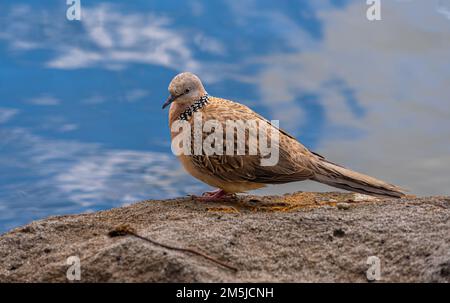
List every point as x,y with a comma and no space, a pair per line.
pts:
343,178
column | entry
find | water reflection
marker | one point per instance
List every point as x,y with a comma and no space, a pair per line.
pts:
43,177
80,122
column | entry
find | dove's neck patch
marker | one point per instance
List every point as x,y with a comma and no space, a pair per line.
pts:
188,112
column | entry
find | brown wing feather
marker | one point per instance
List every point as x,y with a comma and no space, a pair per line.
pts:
236,168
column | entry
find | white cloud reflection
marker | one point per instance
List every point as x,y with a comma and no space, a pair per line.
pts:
443,7
45,100
126,38
136,95
111,39
6,114
123,39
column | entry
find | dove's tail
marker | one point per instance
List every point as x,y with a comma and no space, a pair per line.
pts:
340,177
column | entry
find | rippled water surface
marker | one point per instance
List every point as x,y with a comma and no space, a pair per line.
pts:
81,125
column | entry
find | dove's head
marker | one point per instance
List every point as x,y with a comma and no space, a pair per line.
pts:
185,88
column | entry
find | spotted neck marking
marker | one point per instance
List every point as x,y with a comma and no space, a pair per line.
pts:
188,112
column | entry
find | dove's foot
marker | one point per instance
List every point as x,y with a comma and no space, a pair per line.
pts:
214,196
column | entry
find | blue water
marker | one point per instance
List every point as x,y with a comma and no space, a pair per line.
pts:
81,125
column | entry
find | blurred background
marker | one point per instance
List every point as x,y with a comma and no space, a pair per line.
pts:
81,125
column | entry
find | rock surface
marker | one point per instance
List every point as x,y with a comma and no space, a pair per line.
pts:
303,237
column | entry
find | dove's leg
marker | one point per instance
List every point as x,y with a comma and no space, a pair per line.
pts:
217,195
211,193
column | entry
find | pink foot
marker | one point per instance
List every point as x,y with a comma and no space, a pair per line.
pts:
213,196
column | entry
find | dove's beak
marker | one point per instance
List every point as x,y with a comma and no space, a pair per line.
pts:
169,100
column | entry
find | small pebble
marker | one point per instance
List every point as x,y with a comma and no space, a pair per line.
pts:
339,233
343,206
361,198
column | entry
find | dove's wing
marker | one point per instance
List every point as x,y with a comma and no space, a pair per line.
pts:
294,162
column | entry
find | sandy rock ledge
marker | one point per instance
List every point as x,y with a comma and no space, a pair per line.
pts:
302,237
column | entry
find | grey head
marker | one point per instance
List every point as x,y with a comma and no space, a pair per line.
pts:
185,88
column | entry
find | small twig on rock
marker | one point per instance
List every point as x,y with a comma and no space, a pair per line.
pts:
125,229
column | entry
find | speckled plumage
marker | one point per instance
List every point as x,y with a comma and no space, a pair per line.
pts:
240,173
